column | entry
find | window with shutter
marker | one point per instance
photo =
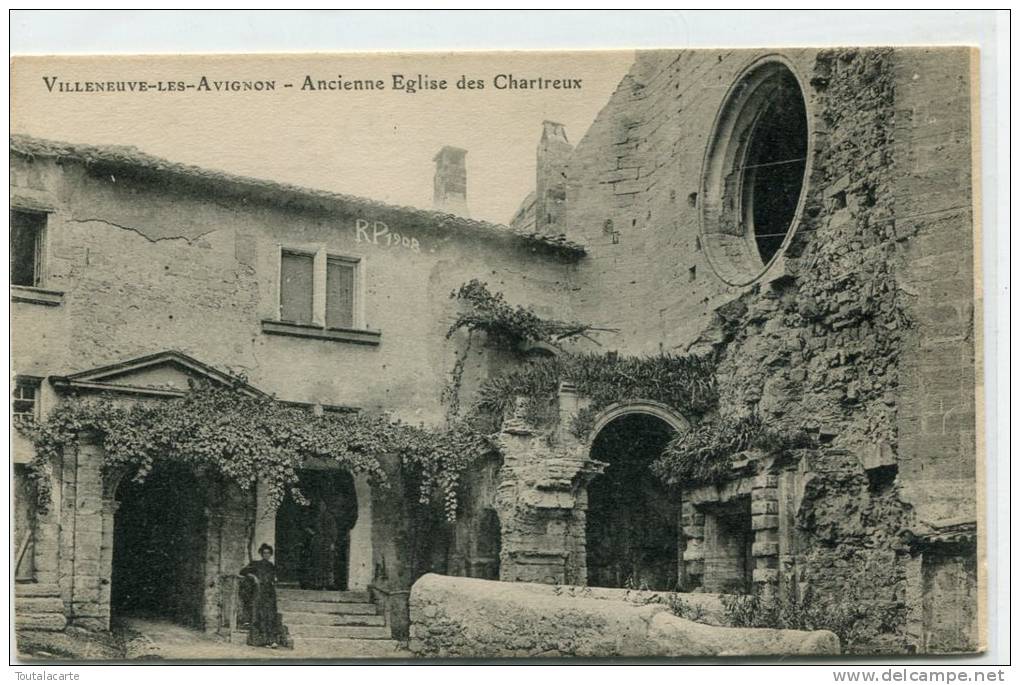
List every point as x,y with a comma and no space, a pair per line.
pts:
321,297
296,286
339,293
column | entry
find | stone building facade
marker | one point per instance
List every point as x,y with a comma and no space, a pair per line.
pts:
149,275
805,215
808,216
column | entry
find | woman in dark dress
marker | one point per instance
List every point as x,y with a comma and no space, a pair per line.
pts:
266,626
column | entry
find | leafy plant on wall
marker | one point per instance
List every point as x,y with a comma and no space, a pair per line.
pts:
504,325
704,453
249,439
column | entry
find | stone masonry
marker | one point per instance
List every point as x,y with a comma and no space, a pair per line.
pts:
860,332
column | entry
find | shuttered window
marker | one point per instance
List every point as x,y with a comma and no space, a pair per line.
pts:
339,293
296,285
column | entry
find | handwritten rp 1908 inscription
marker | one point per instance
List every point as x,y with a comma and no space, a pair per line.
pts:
378,233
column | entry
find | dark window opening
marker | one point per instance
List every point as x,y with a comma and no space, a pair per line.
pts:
881,478
26,247
774,166
729,563
485,563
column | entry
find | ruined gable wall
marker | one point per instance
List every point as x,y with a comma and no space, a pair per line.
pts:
862,337
632,199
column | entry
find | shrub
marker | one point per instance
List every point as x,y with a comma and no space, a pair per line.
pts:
854,621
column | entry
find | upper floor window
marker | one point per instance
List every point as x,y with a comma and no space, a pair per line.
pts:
296,286
340,286
25,402
27,234
319,289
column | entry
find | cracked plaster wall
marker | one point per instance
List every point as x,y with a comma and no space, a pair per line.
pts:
145,268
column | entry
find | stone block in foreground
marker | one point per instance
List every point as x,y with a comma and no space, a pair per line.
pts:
468,617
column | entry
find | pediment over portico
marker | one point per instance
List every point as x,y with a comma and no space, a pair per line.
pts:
164,374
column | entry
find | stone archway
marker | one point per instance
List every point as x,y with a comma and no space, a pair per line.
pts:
360,566
632,531
159,546
671,417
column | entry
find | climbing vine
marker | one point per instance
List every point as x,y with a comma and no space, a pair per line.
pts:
685,383
248,439
504,325
705,453
507,325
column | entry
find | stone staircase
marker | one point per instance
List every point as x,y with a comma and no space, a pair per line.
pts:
38,606
331,623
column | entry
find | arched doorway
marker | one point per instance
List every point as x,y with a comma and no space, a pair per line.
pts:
313,540
632,531
159,546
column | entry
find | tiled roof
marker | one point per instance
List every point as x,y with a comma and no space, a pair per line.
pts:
122,157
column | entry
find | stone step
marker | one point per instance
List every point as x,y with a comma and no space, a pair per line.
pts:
36,590
349,596
362,632
49,621
353,608
341,648
294,618
39,605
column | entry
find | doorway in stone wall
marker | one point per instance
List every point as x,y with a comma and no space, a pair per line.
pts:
159,547
313,539
632,521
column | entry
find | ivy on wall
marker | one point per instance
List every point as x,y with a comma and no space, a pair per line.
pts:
685,383
504,325
704,454
250,439
507,325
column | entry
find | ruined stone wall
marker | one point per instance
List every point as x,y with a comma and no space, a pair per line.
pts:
632,199
862,334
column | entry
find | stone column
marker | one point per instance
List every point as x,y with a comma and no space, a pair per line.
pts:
265,520
87,519
914,572
68,487
692,523
765,524
110,506
360,569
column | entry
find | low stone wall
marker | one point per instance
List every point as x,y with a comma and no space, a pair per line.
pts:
467,617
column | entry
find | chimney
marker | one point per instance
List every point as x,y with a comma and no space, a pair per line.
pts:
554,151
449,187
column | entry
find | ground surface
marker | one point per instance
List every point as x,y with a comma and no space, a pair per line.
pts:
145,639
